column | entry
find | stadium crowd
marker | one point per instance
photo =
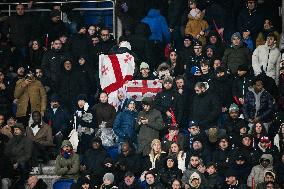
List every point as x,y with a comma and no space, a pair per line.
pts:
218,122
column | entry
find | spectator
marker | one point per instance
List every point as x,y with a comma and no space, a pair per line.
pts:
278,139
145,72
258,104
205,107
264,146
43,79
106,43
19,150
232,181
31,96
257,172
200,148
35,55
8,129
104,112
124,123
181,156
266,59
195,181
269,176
67,162
108,181
214,181
267,29
214,40
187,50
152,181
41,135
278,167
242,168
236,54
176,66
170,171
129,182
148,126
173,136
247,40
122,100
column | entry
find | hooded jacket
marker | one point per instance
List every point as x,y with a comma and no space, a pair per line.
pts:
258,171
267,59
158,26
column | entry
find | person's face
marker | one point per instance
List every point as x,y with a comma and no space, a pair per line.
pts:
96,145
36,117
82,30
92,30
216,64
230,180
35,45
192,5
125,149
21,71
173,56
81,103
180,83
54,104
103,98
170,163
267,25
268,178
32,181
236,41
195,182
168,85
145,72
150,179
258,86
223,144
270,41
1,77
264,163
211,170
17,131
199,90
2,120
120,95
63,39
146,107
209,52
95,41
20,10
157,147
82,61
282,129
258,128
39,73
186,42
194,130
194,161
251,5
243,130
174,148
213,39
269,186
11,122
204,68
176,185
220,74
129,180
197,50
57,44
264,145
131,106
240,162
197,145
241,73
107,181
66,148
245,35
234,114
67,65
246,141
105,35
86,186
282,158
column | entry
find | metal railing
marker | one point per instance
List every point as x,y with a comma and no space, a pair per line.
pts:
9,8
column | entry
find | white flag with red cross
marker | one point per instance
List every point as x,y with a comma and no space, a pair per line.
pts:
114,70
137,89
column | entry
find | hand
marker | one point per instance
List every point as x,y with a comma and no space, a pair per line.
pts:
186,186
168,114
224,109
13,49
27,81
83,167
201,168
198,36
2,86
15,101
171,30
221,31
144,121
202,33
180,91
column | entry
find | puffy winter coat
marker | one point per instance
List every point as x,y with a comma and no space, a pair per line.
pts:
124,125
265,109
158,26
267,59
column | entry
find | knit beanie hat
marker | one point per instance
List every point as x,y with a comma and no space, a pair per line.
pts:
237,34
234,108
194,70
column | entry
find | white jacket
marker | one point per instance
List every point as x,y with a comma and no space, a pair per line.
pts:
269,59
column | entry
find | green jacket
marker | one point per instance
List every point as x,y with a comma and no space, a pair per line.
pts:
67,168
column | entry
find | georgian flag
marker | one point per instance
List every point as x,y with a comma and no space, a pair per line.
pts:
137,89
114,70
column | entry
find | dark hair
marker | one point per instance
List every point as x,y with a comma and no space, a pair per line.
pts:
271,34
151,173
176,179
200,85
179,77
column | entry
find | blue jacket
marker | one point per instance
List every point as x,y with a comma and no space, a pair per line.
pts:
124,125
158,25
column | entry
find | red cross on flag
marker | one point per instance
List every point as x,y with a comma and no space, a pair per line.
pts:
137,89
114,70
